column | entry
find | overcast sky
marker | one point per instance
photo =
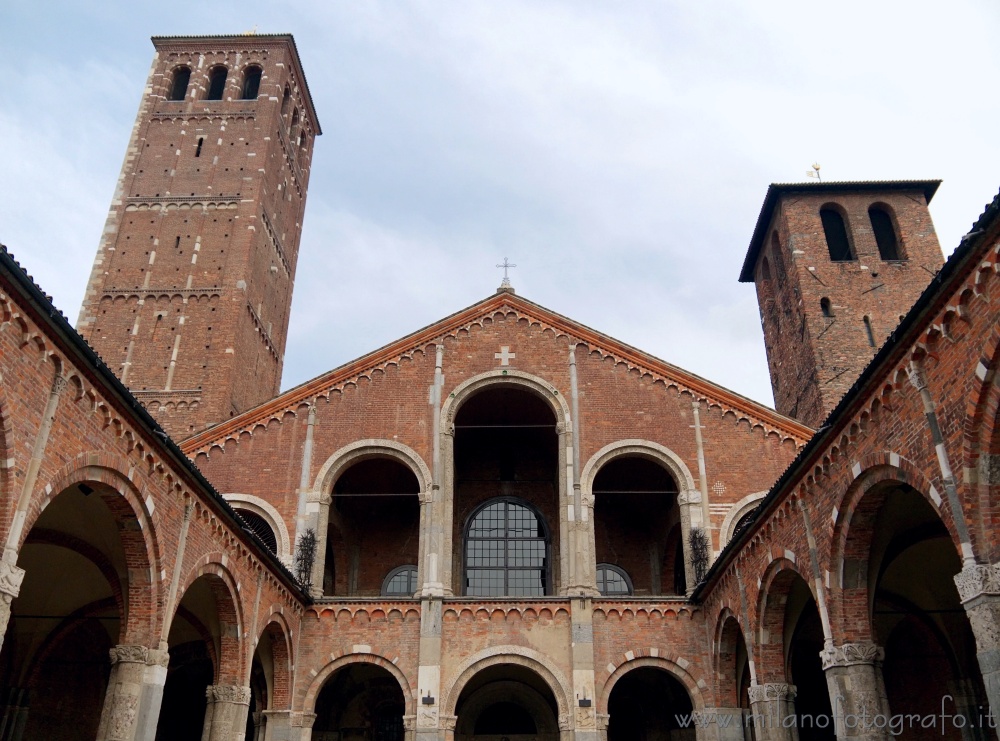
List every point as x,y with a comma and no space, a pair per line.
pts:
617,152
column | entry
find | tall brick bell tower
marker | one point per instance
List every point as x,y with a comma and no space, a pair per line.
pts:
836,266
189,296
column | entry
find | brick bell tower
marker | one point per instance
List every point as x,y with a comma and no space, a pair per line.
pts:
836,266
189,296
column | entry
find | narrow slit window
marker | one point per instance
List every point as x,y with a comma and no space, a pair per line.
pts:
178,90
251,83
869,332
197,151
837,240
285,99
824,305
885,233
217,83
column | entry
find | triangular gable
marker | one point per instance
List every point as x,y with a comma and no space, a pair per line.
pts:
503,302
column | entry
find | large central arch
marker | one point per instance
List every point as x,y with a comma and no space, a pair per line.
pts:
445,513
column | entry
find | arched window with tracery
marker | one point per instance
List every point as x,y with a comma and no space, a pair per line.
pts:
251,83
506,551
217,83
612,581
179,84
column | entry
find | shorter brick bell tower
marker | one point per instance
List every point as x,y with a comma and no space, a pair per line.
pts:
836,266
189,296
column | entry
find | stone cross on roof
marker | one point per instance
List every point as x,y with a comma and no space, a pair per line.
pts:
505,284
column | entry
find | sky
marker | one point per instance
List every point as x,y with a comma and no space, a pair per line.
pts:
617,153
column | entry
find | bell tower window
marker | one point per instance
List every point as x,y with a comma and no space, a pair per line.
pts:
885,233
217,83
838,241
251,83
179,86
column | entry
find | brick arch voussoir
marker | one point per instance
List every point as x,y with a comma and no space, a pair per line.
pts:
307,696
135,528
677,667
224,586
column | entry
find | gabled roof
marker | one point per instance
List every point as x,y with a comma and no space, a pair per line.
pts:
776,190
502,301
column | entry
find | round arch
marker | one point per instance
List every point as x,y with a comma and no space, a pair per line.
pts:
639,448
361,450
312,691
656,662
227,601
282,660
270,515
735,514
140,543
528,698
769,639
510,378
518,656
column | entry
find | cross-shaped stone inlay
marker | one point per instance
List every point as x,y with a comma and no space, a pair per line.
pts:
505,355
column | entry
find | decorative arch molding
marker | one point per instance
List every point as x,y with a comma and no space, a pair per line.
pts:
518,656
636,448
271,516
676,667
506,377
312,691
736,513
361,450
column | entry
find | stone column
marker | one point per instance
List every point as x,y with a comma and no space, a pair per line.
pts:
426,723
857,692
226,713
720,724
135,692
772,707
979,591
10,586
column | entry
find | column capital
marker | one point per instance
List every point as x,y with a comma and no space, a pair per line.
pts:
851,654
135,654
228,693
772,691
447,722
10,580
977,580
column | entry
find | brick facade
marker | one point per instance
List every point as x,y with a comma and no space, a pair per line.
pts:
865,581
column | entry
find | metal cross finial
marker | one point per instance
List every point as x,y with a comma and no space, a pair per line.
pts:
506,265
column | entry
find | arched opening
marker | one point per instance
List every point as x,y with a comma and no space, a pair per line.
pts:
826,307
507,701
374,526
251,83
401,582
259,527
286,98
217,83
649,703
838,240
506,494
734,668
885,233
270,672
637,524
790,612
203,646
360,702
900,549
72,609
179,83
